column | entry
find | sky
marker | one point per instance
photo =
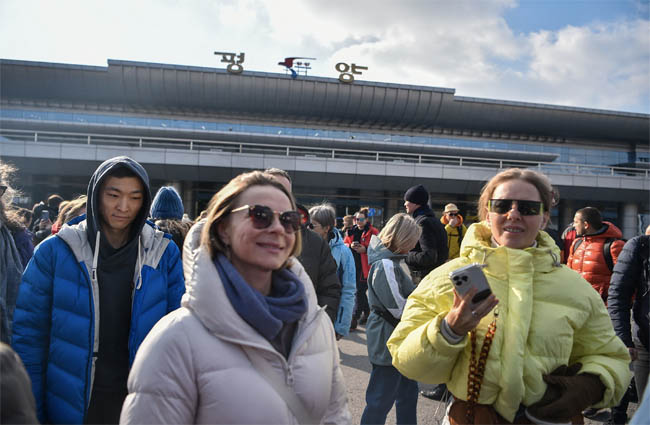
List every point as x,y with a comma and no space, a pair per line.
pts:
583,53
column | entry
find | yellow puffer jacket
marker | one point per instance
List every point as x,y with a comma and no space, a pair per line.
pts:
548,316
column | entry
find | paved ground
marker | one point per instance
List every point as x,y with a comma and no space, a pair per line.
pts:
356,369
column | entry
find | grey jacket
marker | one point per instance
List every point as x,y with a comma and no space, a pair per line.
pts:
389,284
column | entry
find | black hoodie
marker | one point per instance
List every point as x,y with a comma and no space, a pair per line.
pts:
115,275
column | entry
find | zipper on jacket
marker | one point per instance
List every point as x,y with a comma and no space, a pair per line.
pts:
289,375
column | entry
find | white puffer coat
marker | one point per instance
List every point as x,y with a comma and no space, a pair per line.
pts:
192,368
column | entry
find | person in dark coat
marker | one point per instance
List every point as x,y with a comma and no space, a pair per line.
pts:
17,404
431,250
15,252
629,289
42,226
315,257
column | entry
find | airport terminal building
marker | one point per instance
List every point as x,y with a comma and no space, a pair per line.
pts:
351,143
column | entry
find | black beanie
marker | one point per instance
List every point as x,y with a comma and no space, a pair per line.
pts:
417,194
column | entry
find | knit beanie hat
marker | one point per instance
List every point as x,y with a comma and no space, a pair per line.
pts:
417,194
167,204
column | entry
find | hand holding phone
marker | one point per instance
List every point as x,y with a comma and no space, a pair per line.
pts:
473,299
469,277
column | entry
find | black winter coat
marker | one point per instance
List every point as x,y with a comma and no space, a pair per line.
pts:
319,264
631,278
431,250
17,404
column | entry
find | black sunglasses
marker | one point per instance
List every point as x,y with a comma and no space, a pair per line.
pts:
452,214
262,217
3,189
502,206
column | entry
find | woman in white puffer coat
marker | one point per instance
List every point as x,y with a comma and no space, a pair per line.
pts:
249,310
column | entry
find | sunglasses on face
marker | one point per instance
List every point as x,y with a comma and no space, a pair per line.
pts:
262,217
3,189
361,219
502,206
454,214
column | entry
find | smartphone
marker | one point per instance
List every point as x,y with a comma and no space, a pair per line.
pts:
469,277
45,215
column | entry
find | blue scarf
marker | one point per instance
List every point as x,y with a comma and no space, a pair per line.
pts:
266,314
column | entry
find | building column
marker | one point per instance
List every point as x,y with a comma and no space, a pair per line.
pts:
188,199
565,214
393,207
629,220
184,190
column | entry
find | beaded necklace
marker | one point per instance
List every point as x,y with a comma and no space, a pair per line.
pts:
477,367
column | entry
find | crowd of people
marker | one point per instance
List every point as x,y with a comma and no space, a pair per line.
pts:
117,308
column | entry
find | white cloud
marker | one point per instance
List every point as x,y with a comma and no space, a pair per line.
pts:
466,45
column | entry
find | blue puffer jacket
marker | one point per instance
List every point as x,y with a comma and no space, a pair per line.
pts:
57,314
347,276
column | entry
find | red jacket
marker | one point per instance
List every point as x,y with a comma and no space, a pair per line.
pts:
367,233
589,261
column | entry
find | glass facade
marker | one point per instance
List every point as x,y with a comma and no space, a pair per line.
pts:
566,154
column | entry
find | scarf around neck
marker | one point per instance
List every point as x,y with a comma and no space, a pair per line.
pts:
287,302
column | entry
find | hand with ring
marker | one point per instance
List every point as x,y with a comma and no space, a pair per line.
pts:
464,315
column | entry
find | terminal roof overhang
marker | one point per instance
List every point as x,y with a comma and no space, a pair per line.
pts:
149,87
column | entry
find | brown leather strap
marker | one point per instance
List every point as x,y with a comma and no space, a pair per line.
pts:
485,414
477,367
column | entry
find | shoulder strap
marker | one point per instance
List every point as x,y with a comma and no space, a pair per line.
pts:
279,385
576,244
607,253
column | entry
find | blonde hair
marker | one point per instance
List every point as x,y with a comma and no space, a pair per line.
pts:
71,209
539,180
225,201
401,233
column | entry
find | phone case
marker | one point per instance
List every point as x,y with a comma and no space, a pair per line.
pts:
469,277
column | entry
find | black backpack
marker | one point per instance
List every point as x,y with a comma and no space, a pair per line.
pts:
607,250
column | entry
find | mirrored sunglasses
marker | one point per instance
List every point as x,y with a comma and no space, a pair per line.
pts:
502,206
262,217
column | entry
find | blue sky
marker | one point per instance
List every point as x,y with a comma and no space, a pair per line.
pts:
584,53
553,15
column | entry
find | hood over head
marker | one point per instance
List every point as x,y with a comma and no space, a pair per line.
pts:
92,204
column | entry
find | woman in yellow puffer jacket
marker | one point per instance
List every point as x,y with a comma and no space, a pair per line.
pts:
553,351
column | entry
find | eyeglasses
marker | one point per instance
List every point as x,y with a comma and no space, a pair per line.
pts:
502,206
452,214
3,189
262,217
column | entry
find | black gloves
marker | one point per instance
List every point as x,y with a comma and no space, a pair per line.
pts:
567,394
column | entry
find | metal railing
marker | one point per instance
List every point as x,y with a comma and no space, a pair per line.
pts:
393,157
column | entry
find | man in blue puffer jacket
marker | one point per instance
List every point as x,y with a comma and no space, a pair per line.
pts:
90,295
